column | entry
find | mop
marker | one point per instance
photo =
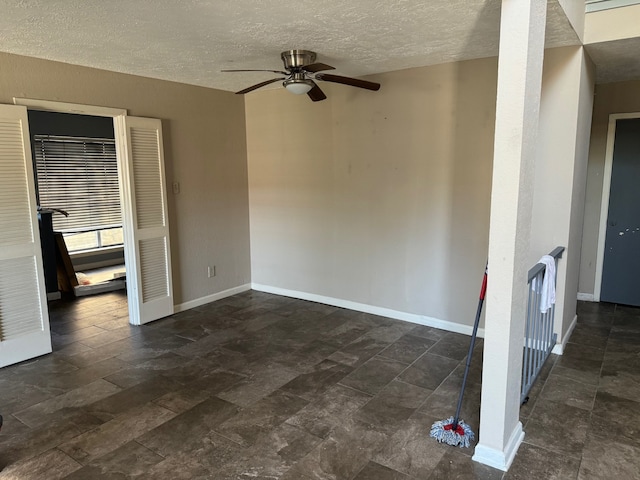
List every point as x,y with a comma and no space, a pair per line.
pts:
454,431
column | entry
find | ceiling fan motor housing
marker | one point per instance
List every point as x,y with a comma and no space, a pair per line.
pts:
296,59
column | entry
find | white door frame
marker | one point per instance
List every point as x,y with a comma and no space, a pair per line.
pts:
118,115
606,188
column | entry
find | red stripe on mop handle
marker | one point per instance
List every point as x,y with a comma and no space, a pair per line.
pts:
458,429
483,289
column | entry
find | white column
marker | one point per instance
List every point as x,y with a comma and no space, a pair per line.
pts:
522,28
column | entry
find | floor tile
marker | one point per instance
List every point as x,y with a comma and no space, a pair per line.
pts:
428,332
375,471
609,459
617,409
620,383
272,457
317,379
537,462
595,307
458,466
254,422
394,404
179,401
411,450
558,427
186,432
130,460
343,453
127,399
452,345
374,375
107,437
569,392
359,351
614,430
51,465
329,410
429,371
262,381
407,349
67,403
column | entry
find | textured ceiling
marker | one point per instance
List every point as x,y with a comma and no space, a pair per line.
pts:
616,61
190,41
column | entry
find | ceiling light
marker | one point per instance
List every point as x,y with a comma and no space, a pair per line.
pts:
298,86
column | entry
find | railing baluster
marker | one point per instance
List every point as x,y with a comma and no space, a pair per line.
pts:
539,336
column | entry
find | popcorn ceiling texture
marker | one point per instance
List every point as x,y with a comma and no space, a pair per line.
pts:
190,41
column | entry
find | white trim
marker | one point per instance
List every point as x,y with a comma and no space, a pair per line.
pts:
53,296
211,298
604,205
64,107
91,289
372,309
558,348
501,460
599,5
586,297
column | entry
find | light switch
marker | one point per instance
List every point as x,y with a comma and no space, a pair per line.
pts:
176,187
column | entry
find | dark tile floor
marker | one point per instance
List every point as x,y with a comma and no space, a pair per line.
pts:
258,386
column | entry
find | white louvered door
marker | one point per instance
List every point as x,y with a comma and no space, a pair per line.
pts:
24,319
146,224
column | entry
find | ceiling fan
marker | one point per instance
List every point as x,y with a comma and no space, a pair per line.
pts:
301,71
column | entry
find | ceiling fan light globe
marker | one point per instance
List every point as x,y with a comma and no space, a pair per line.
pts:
298,87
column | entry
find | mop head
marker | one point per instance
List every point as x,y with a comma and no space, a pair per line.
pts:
444,432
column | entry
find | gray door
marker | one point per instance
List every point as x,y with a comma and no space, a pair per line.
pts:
621,267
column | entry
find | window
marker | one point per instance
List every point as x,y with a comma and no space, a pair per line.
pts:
80,176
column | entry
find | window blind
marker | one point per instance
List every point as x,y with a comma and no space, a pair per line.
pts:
78,175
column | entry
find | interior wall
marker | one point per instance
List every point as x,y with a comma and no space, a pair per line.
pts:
575,12
379,198
205,151
620,97
561,161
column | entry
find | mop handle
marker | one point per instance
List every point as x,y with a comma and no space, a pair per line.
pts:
483,291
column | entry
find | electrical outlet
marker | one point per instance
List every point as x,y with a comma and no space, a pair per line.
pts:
211,271
176,187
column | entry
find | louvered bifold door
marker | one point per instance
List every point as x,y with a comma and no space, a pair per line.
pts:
147,225
24,320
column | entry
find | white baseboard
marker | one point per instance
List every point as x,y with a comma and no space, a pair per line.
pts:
586,297
500,459
211,298
54,296
372,309
558,348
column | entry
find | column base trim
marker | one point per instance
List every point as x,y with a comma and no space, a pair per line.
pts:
501,460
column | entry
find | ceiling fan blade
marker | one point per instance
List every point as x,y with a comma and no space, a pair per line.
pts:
272,71
354,82
317,67
316,94
257,86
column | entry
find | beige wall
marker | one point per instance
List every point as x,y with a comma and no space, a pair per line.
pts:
376,198
561,165
622,97
612,24
205,150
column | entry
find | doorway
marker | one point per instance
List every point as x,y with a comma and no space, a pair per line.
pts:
619,261
24,323
78,195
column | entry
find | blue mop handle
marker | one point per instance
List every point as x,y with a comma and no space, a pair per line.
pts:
483,291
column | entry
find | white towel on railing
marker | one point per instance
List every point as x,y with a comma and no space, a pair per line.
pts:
547,290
